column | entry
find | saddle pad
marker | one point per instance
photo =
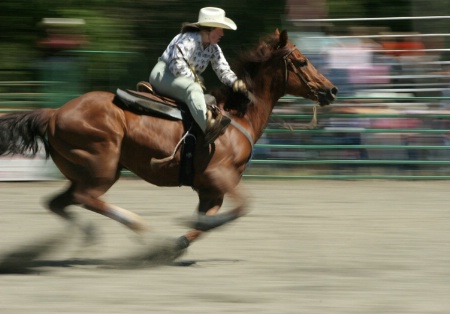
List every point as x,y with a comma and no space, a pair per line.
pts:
139,102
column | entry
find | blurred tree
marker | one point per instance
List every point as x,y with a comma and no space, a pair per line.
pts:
20,21
143,26
156,22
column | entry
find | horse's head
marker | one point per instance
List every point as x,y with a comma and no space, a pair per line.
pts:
301,78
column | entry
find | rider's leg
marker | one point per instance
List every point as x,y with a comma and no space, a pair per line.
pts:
211,126
182,89
186,90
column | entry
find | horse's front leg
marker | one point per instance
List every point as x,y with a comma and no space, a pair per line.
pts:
222,181
207,206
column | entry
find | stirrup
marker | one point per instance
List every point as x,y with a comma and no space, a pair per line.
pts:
216,127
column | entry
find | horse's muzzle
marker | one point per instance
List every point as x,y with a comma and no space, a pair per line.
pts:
326,97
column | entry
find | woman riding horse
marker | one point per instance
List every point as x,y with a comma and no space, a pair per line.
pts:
176,74
91,140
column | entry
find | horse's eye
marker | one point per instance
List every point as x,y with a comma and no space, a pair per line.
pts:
300,62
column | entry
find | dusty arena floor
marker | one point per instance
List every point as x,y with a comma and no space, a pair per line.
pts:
306,247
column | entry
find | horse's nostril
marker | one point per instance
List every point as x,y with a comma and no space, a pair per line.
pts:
331,93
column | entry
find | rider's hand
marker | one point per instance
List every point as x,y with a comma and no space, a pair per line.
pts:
239,86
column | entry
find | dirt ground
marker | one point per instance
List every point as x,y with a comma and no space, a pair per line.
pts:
305,247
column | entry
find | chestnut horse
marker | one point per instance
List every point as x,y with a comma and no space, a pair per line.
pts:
90,139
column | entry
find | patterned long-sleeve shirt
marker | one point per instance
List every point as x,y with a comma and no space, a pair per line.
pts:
198,57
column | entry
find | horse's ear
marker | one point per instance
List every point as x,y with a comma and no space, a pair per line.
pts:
277,32
283,39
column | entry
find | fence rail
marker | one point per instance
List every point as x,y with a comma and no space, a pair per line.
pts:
368,19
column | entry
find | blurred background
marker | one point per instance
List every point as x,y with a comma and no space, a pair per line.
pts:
389,58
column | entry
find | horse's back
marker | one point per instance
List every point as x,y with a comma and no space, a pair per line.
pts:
89,103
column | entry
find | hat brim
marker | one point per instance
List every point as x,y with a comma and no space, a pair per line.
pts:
227,24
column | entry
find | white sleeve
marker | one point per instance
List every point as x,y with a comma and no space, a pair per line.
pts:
176,59
222,68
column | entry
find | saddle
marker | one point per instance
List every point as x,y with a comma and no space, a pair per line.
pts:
146,101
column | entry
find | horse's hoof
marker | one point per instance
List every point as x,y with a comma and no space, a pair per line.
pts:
182,243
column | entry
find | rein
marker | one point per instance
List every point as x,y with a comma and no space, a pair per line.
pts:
288,62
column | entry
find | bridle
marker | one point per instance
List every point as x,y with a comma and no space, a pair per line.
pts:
288,62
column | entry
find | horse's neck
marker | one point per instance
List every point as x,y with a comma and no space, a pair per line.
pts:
259,114
267,93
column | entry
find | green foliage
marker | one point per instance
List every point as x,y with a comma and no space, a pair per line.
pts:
134,32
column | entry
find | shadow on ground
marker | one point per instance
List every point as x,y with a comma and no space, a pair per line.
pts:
28,258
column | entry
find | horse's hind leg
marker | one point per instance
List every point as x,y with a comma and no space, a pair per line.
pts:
88,183
58,203
89,199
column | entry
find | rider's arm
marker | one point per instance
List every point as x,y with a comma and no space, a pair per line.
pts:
221,67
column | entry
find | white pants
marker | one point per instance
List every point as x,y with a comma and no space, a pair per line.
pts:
182,89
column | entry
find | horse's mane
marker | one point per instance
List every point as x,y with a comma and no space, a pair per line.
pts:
246,67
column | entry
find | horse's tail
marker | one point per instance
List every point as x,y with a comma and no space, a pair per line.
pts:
21,132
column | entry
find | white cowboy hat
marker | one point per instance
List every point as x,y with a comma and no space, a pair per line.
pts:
214,17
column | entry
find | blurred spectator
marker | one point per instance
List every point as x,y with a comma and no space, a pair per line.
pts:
60,67
405,46
352,66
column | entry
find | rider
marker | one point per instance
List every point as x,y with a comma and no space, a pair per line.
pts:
188,54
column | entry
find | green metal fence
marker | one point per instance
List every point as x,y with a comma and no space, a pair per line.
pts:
359,151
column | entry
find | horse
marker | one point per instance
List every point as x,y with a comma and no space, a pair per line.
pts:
91,140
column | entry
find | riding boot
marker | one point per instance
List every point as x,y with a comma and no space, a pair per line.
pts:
216,127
